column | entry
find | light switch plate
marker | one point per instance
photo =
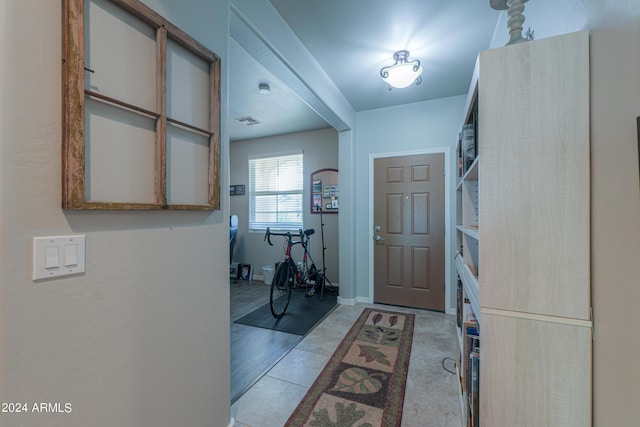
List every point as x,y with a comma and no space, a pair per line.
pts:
58,256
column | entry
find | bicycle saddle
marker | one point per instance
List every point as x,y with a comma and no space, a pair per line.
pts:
309,231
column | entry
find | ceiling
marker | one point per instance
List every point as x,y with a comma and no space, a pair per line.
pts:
352,40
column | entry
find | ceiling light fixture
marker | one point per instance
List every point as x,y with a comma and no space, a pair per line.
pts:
404,72
264,89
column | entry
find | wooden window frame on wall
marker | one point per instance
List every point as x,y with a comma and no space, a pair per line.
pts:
73,106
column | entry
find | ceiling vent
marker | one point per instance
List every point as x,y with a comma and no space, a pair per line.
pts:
248,120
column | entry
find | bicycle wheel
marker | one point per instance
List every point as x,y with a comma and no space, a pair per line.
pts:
281,290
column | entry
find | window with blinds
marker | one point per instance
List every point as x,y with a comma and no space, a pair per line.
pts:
275,192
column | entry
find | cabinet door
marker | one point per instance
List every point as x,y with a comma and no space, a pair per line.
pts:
534,180
534,373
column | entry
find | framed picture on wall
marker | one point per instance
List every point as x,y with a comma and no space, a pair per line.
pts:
317,201
236,190
324,191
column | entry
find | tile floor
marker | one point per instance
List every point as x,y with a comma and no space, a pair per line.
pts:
431,398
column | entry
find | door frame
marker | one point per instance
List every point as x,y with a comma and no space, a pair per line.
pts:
449,309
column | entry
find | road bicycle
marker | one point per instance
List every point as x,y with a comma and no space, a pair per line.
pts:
289,274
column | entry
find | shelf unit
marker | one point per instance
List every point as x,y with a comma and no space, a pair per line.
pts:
523,235
534,243
467,243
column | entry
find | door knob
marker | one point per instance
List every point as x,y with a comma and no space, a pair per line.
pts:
379,239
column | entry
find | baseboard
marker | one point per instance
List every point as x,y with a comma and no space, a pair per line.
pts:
346,301
353,301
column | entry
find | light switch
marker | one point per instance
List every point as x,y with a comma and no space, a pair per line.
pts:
70,255
58,256
51,257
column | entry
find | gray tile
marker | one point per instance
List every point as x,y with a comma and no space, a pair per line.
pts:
299,367
268,403
323,340
431,403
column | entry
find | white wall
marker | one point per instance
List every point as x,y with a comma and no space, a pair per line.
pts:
396,130
320,149
143,337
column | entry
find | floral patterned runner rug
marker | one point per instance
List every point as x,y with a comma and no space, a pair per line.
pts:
363,383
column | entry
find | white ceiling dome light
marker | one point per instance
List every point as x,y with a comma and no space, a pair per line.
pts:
404,72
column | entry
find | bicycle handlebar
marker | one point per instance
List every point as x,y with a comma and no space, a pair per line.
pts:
267,237
308,232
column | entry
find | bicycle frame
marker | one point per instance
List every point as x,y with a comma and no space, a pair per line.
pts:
301,277
288,275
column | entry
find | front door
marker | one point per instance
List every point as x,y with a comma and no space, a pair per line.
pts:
409,231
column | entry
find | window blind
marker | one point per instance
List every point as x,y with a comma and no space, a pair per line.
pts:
275,192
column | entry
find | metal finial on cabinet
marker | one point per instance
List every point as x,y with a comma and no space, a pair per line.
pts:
516,18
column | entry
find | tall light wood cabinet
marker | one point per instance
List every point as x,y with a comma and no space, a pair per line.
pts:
534,202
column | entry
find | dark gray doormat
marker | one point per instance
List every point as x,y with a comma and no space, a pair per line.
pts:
301,316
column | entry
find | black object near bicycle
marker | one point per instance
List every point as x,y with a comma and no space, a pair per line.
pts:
289,274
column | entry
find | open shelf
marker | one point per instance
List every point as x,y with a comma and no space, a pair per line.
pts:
470,285
472,172
471,232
